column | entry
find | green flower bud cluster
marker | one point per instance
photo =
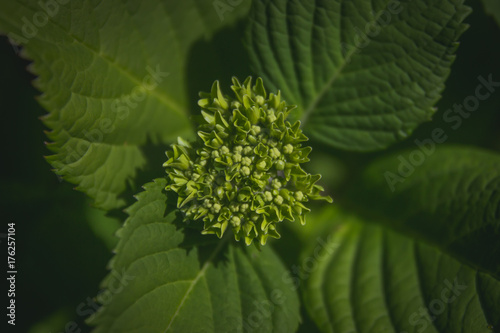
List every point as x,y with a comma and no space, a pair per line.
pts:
244,169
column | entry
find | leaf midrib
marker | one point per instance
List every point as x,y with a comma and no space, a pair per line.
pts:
200,274
162,98
346,60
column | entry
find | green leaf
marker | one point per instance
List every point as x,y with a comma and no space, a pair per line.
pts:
492,7
162,281
363,73
370,279
114,77
449,196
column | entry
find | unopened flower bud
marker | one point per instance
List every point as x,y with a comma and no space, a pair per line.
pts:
239,173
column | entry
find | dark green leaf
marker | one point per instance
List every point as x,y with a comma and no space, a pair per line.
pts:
113,77
374,280
449,196
363,73
163,282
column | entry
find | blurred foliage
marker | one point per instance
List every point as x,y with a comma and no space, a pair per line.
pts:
60,258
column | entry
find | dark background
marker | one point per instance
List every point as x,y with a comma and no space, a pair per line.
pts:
63,244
